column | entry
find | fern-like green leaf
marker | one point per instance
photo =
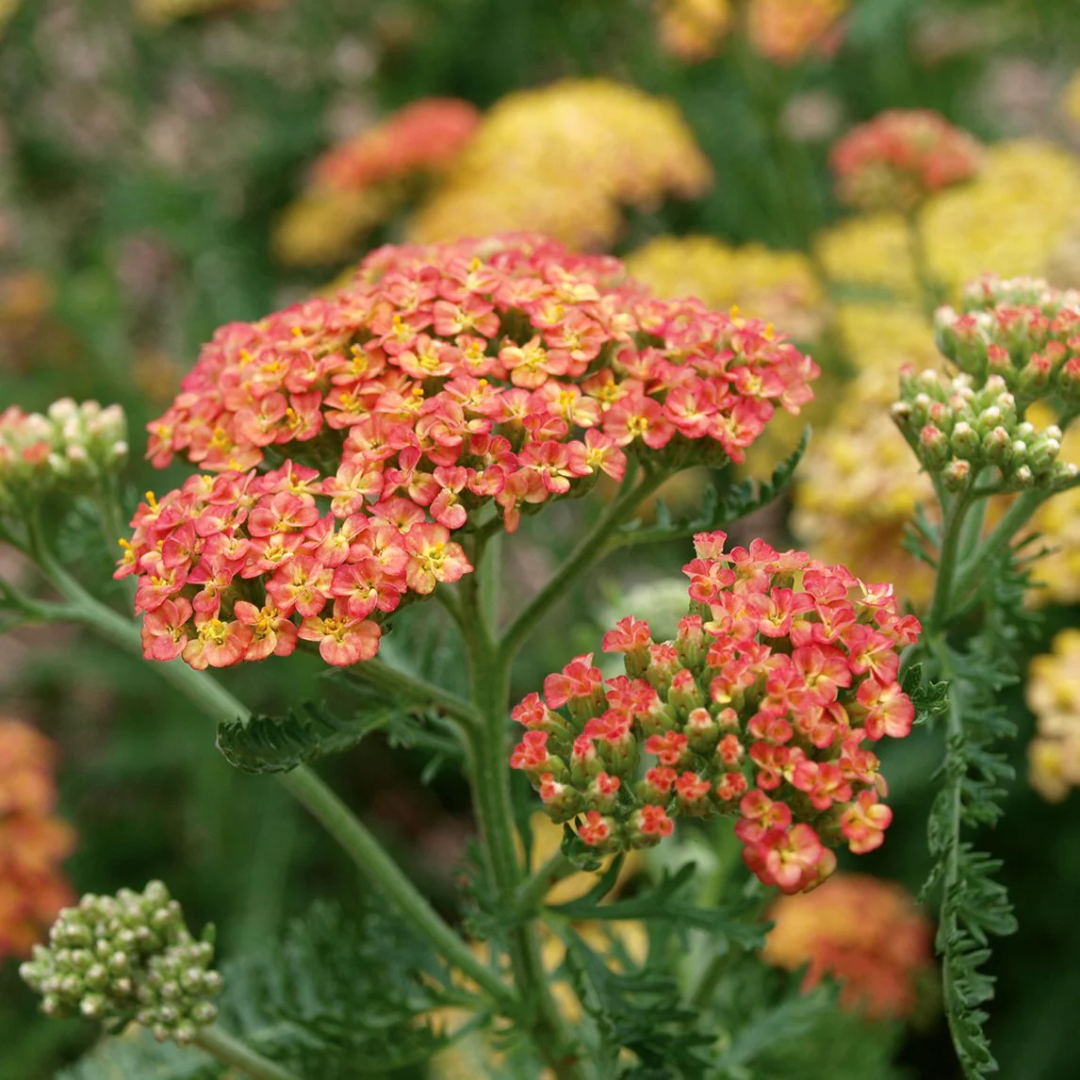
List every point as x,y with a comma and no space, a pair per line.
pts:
135,1054
738,501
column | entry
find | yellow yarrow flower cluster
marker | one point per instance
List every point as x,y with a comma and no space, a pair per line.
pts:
563,160
693,30
1009,220
168,11
1053,695
858,486
869,253
1070,98
882,337
1057,522
774,286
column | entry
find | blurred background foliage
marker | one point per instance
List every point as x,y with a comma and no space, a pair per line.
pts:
148,149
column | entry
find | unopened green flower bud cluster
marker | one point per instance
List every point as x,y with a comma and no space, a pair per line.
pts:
1020,330
957,429
128,957
70,445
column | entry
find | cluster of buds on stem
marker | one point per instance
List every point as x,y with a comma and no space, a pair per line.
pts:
71,445
760,708
128,957
957,430
1022,331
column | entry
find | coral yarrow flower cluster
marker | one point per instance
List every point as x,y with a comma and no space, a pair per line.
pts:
760,708
33,842
896,160
445,387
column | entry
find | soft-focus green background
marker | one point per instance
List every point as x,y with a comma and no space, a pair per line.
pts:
141,168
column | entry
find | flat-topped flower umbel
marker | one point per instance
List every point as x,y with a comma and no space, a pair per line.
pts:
760,708
446,386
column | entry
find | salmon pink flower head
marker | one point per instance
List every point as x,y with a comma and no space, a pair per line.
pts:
897,159
866,933
33,842
763,708
347,445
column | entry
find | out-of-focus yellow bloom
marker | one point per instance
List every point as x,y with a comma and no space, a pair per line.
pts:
1058,523
7,9
32,842
1070,98
25,298
1009,220
322,226
167,11
784,31
1053,695
866,933
871,253
563,160
883,337
857,489
693,30
368,178
774,286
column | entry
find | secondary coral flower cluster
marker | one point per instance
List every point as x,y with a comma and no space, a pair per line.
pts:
896,160
866,933
33,843
565,160
784,31
1053,695
445,387
367,178
762,708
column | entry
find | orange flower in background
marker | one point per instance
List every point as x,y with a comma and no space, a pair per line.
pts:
896,160
693,30
365,179
32,843
866,933
424,135
784,31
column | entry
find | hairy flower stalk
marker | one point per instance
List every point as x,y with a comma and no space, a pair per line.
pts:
759,709
976,435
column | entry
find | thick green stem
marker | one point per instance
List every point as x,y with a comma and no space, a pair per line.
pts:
588,550
489,754
941,604
377,866
928,292
1016,517
535,887
412,688
229,1051
339,821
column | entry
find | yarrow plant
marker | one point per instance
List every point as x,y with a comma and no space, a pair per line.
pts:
359,452
760,708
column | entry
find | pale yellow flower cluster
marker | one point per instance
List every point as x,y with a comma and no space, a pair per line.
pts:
563,160
858,486
869,253
1057,522
693,30
775,286
1053,695
1009,221
1070,98
167,11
